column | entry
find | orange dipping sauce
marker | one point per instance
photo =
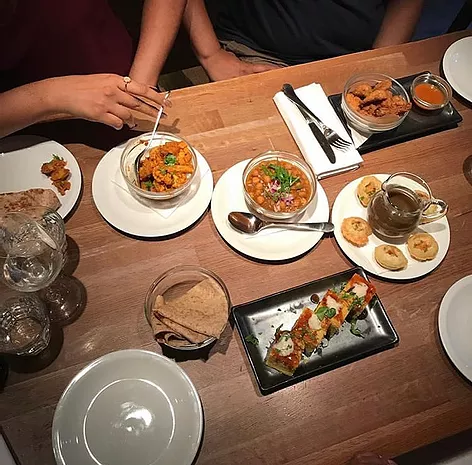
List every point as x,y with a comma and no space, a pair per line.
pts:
430,93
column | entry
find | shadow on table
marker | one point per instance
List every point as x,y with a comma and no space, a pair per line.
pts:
34,363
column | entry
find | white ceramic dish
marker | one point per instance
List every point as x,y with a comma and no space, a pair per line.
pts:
128,407
457,66
146,218
21,158
271,244
347,205
455,325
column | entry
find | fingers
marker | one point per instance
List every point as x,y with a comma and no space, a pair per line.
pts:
260,68
123,113
145,91
133,103
111,120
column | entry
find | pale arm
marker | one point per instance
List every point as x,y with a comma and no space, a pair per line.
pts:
399,22
160,23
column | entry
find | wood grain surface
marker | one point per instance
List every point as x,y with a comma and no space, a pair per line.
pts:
389,403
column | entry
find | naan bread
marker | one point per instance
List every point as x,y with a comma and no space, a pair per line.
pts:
14,201
203,309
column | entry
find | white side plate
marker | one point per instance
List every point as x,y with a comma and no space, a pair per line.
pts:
457,65
21,158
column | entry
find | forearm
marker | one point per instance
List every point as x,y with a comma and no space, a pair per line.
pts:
160,23
399,22
200,30
27,105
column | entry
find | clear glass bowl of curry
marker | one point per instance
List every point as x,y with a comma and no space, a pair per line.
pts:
431,92
167,169
278,185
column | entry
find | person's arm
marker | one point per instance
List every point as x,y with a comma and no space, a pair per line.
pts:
159,26
218,63
98,97
399,22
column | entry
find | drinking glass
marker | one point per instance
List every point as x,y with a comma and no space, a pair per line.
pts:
32,255
24,325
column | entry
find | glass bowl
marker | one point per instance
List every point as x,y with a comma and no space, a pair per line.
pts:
173,284
432,80
279,156
135,148
367,124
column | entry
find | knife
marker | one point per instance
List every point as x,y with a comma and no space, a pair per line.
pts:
328,150
287,89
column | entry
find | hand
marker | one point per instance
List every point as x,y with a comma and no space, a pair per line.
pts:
369,458
102,98
226,65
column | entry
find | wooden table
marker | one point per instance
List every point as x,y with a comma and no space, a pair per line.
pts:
389,403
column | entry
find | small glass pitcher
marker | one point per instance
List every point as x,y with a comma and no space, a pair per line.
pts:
404,202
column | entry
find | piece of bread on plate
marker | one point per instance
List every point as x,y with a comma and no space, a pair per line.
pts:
336,308
285,353
310,330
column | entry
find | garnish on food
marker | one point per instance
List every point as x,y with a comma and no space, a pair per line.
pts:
251,339
168,166
58,173
278,186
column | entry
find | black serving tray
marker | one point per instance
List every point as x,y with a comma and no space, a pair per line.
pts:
418,123
261,317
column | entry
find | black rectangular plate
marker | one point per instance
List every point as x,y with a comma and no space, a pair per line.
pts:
418,123
261,317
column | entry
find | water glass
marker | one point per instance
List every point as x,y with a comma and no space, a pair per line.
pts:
24,325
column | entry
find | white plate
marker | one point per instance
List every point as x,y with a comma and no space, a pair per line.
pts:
130,407
347,205
457,65
455,325
21,158
270,244
143,218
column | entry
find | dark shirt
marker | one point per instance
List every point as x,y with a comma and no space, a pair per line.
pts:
298,31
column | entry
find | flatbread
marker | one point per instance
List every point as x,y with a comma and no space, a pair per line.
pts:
172,333
202,309
14,201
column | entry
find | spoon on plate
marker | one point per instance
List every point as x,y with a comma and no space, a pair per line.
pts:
251,224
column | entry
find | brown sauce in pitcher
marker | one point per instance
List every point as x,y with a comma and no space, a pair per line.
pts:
395,214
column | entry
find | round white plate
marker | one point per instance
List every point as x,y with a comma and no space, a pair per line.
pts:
347,205
457,66
148,218
130,407
21,158
270,244
455,325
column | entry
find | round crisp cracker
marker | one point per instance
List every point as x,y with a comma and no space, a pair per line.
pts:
356,231
367,188
390,257
422,246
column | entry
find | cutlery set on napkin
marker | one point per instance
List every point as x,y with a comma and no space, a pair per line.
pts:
326,157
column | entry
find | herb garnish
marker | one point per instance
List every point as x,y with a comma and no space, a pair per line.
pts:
56,157
170,159
252,340
327,312
148,185
355,330
283,177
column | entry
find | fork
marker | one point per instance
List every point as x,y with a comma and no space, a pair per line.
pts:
332,136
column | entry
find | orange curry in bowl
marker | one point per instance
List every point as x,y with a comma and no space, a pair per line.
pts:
168,167
278,186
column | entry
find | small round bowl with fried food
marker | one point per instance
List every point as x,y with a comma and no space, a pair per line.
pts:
422,246
356,231
374,102
367,188
390,257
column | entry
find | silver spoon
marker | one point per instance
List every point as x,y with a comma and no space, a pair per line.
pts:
251,224
148,146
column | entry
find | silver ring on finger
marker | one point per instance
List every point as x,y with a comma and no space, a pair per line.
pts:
126,80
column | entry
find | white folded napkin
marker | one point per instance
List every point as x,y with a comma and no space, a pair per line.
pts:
6,457
315,99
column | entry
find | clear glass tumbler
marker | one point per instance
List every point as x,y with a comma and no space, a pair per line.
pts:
24,325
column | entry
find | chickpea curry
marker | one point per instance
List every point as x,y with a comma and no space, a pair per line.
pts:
168,167
278,186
